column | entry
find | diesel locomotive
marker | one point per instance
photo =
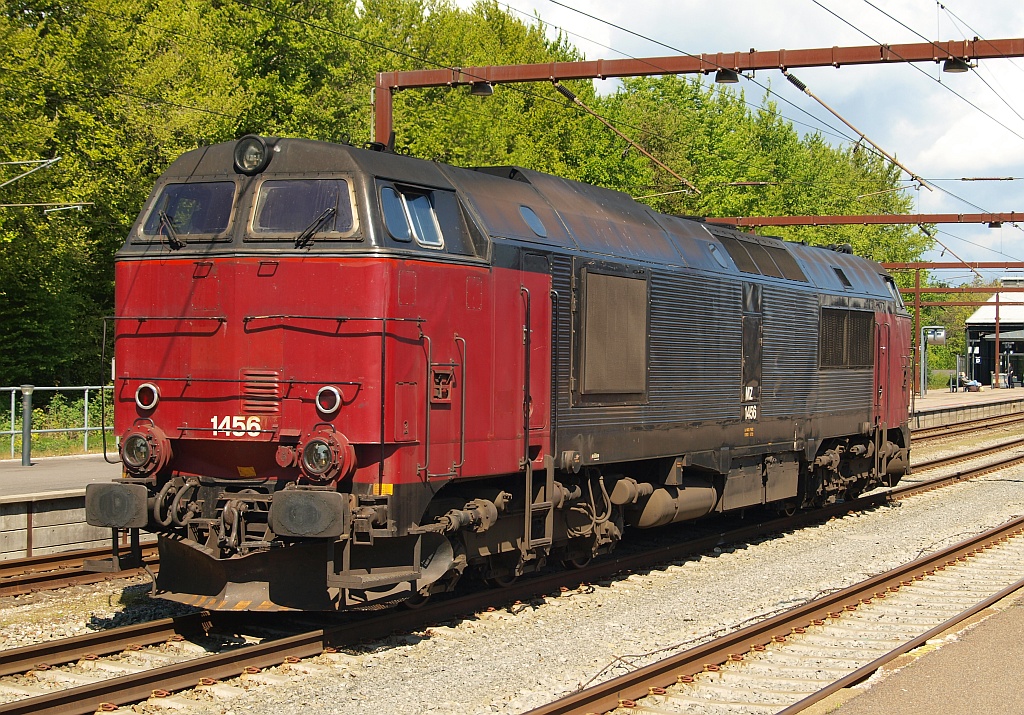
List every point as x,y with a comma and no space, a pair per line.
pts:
346,377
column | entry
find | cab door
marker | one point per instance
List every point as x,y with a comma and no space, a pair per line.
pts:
883,369
535,292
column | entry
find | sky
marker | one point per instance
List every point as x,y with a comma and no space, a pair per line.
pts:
909,110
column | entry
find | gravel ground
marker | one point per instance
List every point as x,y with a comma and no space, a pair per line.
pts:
515,659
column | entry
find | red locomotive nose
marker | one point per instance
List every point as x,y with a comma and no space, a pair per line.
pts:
326,455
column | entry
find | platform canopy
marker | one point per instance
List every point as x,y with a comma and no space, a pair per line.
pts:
1008,311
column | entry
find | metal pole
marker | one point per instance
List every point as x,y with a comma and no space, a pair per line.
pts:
26,425
997,342
85,434
12,423
917,325
924,364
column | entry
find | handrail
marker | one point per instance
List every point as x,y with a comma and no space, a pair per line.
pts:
462,407
85,429
187,378
337,318
527,397
427,383
144,318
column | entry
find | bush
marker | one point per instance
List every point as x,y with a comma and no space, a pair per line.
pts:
58,413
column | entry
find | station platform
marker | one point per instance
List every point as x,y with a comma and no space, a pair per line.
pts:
56,474
942,398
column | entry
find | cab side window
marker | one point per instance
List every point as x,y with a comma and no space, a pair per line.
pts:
409,214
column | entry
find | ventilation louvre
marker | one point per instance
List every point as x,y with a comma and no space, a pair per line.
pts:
261,392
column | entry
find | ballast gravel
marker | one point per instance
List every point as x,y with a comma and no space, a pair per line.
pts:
518,658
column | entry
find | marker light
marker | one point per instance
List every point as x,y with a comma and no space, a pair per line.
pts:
146,396
328,400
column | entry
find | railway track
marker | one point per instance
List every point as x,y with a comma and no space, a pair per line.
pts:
145,658
929,434
788,662
51,571
20,576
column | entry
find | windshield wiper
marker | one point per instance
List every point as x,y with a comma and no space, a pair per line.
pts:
173,239
306,237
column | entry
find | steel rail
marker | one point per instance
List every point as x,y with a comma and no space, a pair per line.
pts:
925,434
633,686
21,576
867,670
979,471
973,454
65,650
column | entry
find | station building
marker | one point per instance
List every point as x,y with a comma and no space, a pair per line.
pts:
1000,321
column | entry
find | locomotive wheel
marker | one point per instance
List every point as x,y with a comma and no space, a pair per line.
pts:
577,562
787,509
416,600
503,581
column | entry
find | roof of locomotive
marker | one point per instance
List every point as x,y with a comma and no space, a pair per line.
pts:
602,221
575,217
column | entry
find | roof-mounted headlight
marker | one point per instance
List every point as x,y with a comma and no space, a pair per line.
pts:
252,155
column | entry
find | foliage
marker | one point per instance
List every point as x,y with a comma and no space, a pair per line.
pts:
118,89
753,163
59,413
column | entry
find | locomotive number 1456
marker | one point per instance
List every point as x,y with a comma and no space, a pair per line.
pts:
236,426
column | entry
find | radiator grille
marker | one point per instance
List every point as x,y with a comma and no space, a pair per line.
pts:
261,392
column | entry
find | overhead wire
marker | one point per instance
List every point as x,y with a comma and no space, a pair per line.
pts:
646,61
317,26
936,46
978,245
956,18
941,189
895,54
838,132
658,42
427,61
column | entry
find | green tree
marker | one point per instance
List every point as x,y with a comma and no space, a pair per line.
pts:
119,89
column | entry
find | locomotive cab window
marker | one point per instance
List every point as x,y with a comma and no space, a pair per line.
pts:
193,210
410,214
286,208
893,290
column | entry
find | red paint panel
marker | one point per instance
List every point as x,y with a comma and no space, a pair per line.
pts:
230,340
473,331
893,362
